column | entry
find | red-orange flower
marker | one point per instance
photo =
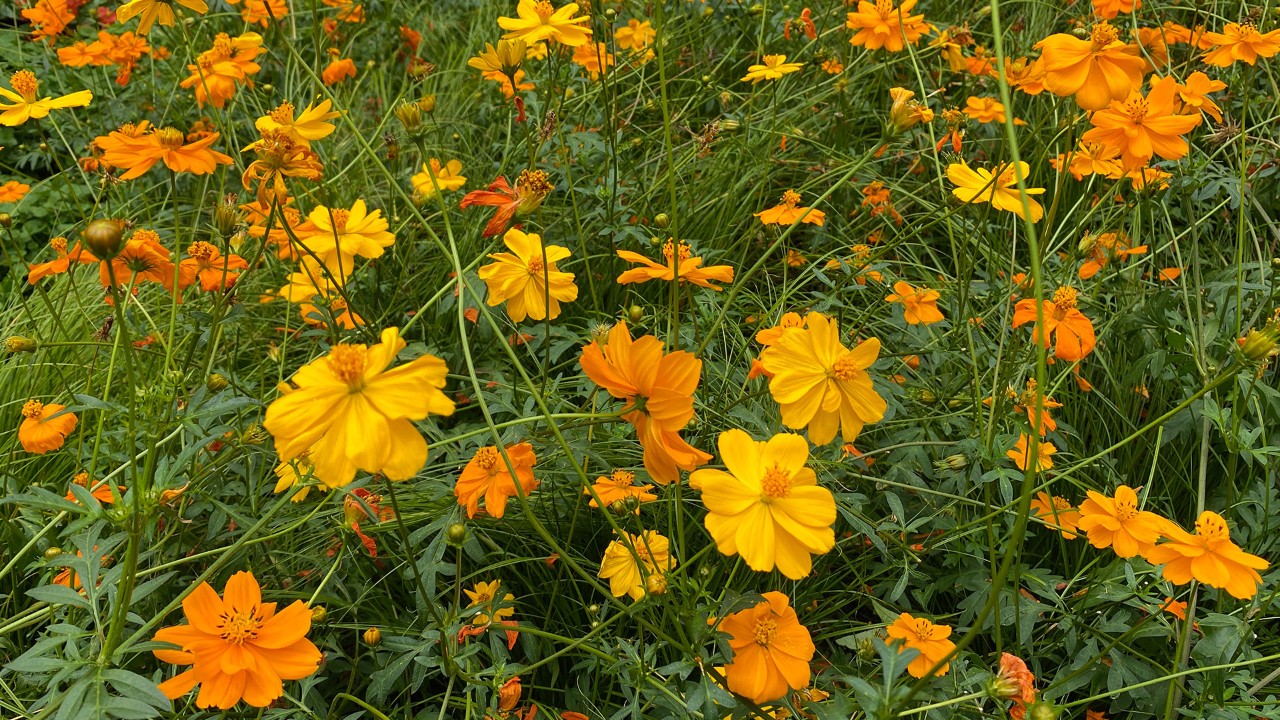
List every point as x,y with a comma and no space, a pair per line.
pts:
689,270
488,476
532,187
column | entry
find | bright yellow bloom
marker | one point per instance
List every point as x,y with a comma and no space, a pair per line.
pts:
448,176
635,36
352,413
337,235
788,211
635,565
768,507
527,278
998,187
820,383
1240,42
538,20
485,595
774,67
153,11
924,636
1020,453
619,485
311,125
25,103
1208,556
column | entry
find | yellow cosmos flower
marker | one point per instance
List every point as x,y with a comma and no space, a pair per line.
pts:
27,105
1208,556
150,12
820,383
998,187
527,279
637,566
774,67
338,235
539,20
485,594
447,175
769,507
311,125
352,413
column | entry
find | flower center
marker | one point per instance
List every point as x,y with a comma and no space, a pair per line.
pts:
685,251
169,138
33,409
283,114
1104,33
537,265
766,630
488,458
622,478
1136,108
791,198
59,245
1061,503
775,484
924,629
844,368
203,252
1125,511
238,628
340,218
1212,527
886,9
347,363
533,182
222,46
544,9
1065,298
25,84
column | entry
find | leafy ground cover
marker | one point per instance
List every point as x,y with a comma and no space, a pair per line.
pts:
669,359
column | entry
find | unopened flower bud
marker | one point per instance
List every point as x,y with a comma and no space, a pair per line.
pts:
1087,242
255,434
655,584
217,383
1260,344
618,507
959,461
1042,710
662,220
457,533
318,614
104,238
409,115
373,637
18,343
6,220
593,609
227,216
52,552
635,313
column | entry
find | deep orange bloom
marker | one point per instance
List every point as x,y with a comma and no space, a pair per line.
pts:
881,25
488,476
1105,248
40,431
338,70
1142,127
1194,94
620,485
1096,71
279,156
1085,160
689,270
632,369
532,187
214,270
1117,523
919,305
787,212
49,18
143,259
238,647
1063,321
1057,512
924,636
1015,681
771,650
138,155
220,71
13,191
1108,9
60,264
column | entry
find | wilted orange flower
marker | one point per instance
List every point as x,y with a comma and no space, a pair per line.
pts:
905,112
1240,42
771,650
220,70
689,268
924,636
1105,248
1014,681
165,145
1056,511
488,476
49,18
620,485
981,64
1020,453
278,156
1208,556
1027,400
1194,94
919,305
881,25
238,647
153,11
630,369
13,191
821,384
40,432
142,259
1096,71
773,67
998,187
1142,127
532,187
527,278
214,270
26,104
338,70
787,212
1063,322
1117,523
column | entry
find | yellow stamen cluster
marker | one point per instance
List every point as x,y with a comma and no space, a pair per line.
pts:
775,484
170,138
488,459
347,362
791,198
1065,298
1104,33
202,251
766,630
25,84
33,409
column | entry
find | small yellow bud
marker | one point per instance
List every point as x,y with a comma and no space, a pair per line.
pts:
427,103
6,220
409,115
662,220
318,614
635,313
373,637
655,584
52,552
217,383
18,343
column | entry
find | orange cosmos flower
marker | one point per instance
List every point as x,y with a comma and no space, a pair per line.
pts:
532,187
905,112
1105,248
1025,75
49,18
1014,681
1063,321
214,270
1208,556
689,268
142,259
787,212
1142,127
620,485
1027,400
919,306
150,12
771,650
1057,512
13,191
162,144
924,636
998,187
238,647
338,70
101,491
527,278
1240,42
40,431
1117,523
1175,608
1194,94
26,104
539,20
1096,71
984,109
1096,159
60,264
1020,453
279,157
488,476
629,370
259,12
636,35
821,384
773,67
881,25
220,71
593,58
1109,9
